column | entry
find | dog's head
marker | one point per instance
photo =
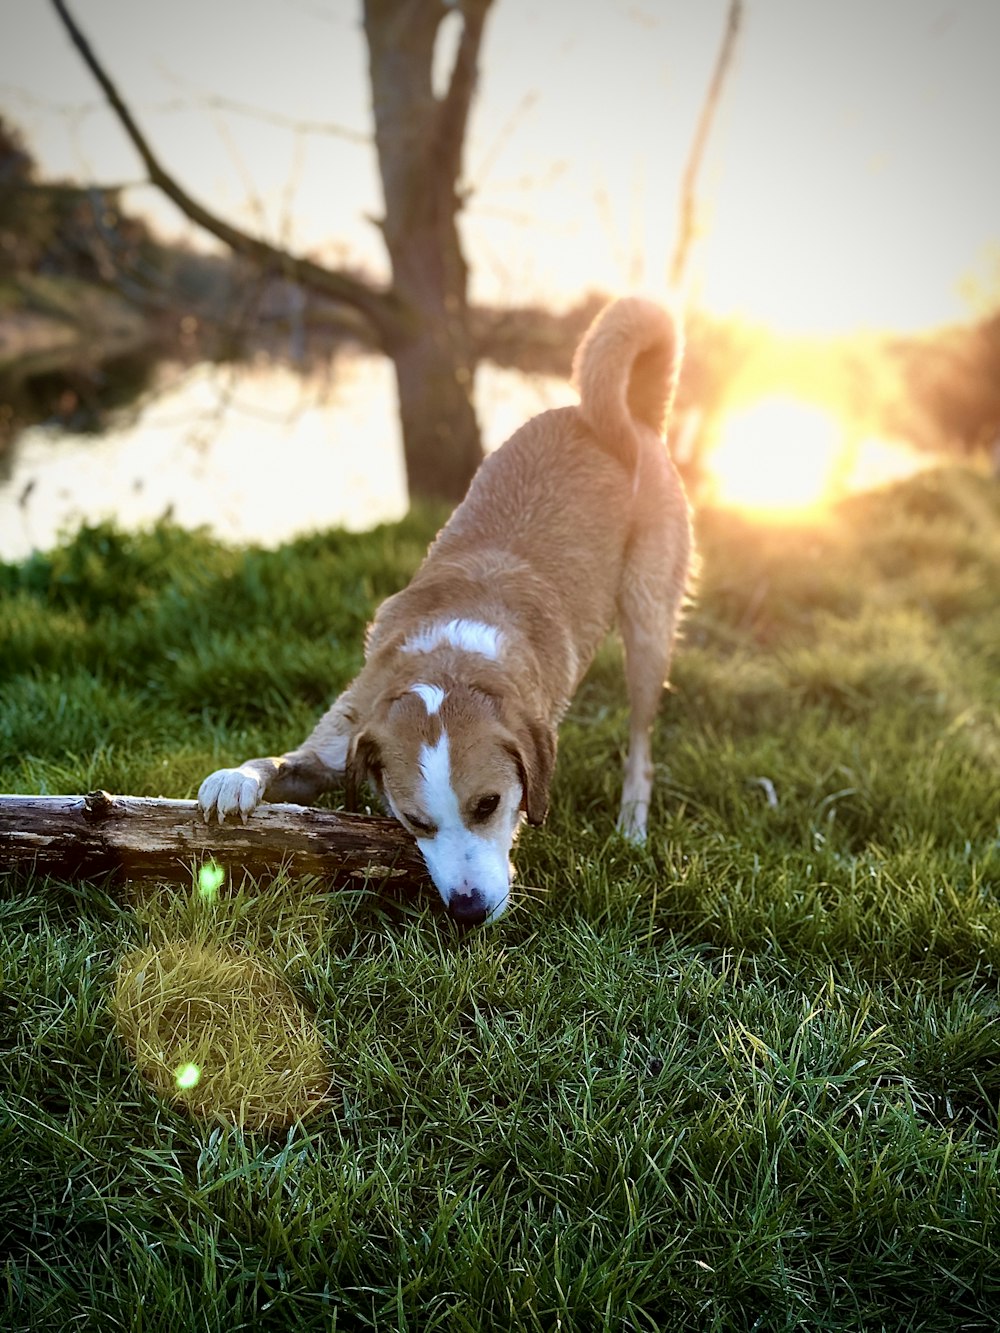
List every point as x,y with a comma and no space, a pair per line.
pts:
460,769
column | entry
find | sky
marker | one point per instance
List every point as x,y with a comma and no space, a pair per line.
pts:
850,181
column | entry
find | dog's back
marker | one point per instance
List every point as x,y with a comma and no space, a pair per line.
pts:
554,508
626,370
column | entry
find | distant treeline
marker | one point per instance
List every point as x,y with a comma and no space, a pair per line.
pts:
59,243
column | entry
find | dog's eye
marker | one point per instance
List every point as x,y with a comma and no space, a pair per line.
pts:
485,807
423,826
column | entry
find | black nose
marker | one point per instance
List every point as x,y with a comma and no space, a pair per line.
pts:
468,909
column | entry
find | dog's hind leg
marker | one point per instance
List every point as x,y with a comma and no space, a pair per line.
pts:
300,775
649,605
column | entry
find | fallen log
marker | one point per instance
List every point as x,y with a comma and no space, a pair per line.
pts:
130,838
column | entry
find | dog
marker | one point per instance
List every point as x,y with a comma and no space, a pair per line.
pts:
579,519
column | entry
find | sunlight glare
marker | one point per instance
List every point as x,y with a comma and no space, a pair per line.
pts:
879,462
775,458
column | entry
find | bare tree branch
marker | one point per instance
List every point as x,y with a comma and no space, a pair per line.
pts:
218,103
386,313
686,225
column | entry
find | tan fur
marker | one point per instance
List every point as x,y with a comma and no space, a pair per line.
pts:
578,520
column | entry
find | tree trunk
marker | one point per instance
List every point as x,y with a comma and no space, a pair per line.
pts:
434,379
136,838
419,138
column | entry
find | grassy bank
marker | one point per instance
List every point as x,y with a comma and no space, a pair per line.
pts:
745,1078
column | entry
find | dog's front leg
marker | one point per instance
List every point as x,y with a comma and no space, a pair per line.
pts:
300,775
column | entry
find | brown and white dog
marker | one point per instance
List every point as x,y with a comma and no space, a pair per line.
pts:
579,519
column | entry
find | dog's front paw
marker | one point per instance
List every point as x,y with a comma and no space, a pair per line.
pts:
230,791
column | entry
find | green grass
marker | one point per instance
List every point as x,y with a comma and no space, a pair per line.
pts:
746,1078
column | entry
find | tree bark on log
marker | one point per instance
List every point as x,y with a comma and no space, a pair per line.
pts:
130,838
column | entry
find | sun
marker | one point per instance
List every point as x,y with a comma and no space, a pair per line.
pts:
776,459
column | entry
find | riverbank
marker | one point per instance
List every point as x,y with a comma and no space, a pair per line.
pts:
52,323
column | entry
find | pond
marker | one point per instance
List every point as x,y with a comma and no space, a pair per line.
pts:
257,453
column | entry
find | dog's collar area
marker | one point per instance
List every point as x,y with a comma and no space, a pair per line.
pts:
469,636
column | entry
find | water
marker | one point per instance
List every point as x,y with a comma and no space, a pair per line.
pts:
256,453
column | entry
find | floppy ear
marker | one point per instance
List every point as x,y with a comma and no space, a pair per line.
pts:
364,764
535,752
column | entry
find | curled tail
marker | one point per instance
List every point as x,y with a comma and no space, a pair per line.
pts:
626,370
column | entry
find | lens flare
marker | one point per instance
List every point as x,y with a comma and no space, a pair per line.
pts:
187,1076
210,878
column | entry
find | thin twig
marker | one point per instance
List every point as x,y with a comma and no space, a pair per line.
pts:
686,224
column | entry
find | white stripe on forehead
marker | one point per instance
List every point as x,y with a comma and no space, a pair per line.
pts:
472,636
437,796
432,695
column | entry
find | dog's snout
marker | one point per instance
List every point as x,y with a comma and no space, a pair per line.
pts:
468,908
